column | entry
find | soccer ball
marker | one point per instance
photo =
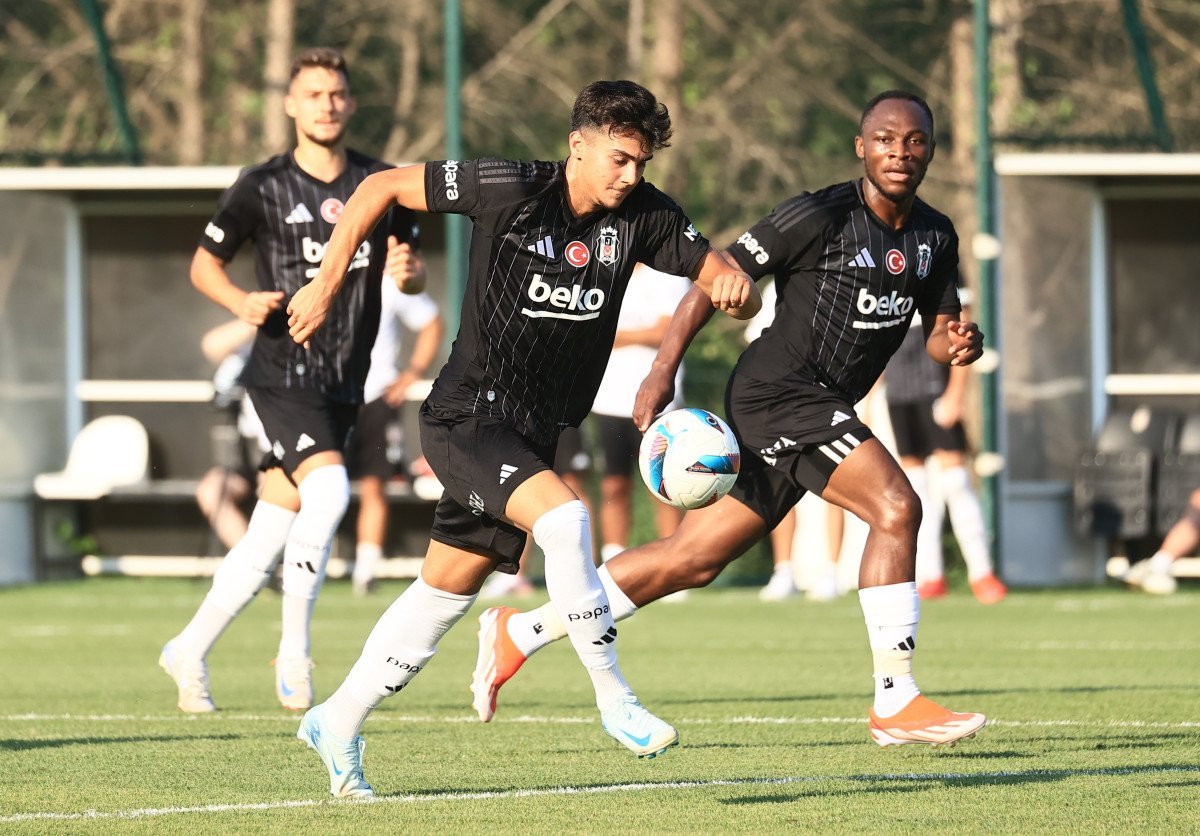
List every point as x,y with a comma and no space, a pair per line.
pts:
689,458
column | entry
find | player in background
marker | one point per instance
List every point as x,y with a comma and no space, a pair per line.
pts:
926,403
1153,574
852,263
376,450
552,250
228,483
306,398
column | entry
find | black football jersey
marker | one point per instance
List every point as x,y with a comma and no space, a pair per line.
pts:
544,288
290,216
912,375
848,286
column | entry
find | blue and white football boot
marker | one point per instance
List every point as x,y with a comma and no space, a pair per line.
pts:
630,724
342,758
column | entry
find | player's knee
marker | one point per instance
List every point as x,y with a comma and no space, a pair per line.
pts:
899,509
325,493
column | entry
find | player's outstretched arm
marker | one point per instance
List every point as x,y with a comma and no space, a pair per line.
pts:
728,286
370,201
952,342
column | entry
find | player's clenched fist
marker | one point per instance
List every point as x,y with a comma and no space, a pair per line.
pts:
735,293
258,305
307,312
405,266
966,342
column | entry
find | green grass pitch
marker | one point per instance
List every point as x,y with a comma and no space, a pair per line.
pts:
1093,699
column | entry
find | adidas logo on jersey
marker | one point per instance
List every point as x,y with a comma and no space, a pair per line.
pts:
506,470
863,259
299,215
838,417
304,442
544,247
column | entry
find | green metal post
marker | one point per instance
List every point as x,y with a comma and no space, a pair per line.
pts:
112,82
1145,66
456,225
985,203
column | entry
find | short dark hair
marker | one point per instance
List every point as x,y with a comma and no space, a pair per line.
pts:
622,107
902,95
320,56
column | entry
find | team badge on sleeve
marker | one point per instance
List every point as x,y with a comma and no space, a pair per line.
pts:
607,246
924,260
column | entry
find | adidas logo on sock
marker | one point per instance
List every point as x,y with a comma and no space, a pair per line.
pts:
838,417
506,470
908,644
607,638
304,442
863,259
299,215
887,682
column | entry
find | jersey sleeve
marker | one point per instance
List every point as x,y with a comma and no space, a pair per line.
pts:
238,218
940,292
776,241
473,187
672,243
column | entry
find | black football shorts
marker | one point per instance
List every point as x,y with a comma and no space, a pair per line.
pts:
917,434
300,423
480,462
620,440
792,439
368,449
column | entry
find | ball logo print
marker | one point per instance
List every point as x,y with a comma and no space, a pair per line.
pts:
689,458
895,262
331,209
577,254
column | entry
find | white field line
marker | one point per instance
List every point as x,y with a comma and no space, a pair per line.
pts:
147,812
384,718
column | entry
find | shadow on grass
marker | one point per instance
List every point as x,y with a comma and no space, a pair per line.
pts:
918,782
60,742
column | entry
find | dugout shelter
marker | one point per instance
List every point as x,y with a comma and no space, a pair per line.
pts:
1098,293
98,317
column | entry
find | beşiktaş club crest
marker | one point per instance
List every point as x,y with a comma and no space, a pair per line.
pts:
607,246
924,260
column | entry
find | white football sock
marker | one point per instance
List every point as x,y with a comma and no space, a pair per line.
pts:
366,558
565,535
400,645
1161,562
891,613
324,495
243,572
531,631
610,550
966,518
930,560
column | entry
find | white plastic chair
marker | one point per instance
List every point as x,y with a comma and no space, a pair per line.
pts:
109,452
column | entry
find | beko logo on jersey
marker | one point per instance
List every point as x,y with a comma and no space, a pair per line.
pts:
314,251
893,305
754,248
450,171
214,232
572,302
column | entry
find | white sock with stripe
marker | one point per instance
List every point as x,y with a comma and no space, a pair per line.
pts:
892,613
